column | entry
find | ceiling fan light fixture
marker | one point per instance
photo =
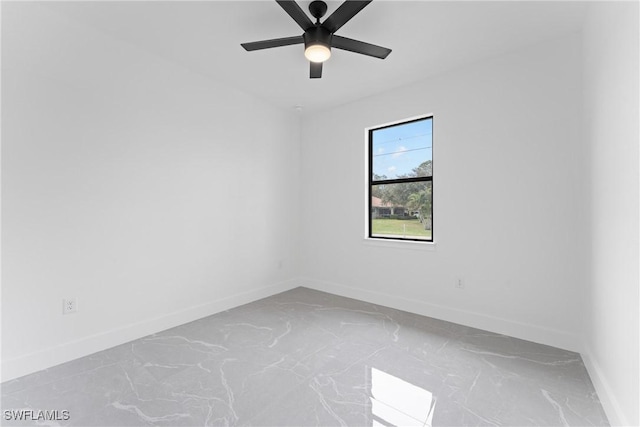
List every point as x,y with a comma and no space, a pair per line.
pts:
317,52
317,44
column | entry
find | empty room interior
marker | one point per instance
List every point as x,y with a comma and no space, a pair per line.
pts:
303,213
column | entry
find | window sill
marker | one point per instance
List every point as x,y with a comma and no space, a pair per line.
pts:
400,244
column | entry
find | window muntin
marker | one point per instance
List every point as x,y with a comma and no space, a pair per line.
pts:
401,181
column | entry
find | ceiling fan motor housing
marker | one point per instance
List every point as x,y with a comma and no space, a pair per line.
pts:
317,35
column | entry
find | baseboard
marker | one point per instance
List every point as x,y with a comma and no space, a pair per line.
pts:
529,332
605,394
33,362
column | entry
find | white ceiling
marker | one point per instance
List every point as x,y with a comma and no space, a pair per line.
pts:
426,37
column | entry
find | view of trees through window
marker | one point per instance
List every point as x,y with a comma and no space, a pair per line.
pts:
400,181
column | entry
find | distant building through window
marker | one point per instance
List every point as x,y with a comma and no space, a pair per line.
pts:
401,180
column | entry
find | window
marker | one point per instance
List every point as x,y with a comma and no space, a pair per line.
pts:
401,181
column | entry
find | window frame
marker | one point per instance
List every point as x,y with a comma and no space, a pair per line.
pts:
371,182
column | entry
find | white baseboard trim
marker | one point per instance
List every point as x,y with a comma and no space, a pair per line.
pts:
605,394
33,362
528,332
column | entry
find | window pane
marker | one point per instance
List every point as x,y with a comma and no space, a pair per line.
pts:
402,151
402,210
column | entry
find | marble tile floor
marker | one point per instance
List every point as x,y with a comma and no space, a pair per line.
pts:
308,358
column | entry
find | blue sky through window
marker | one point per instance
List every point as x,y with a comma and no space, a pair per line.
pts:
397,150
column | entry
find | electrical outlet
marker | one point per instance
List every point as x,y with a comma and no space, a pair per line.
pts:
69,305
459,284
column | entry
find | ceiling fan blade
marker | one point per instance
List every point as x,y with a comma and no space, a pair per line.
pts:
359,47
315,71
294,11
343,14
267,44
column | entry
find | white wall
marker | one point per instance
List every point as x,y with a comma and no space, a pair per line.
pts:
508,198
611,132
153,195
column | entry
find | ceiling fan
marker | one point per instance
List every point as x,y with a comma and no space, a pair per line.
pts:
319,38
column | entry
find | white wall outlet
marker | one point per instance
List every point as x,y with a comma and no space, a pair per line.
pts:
459,283
69,305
